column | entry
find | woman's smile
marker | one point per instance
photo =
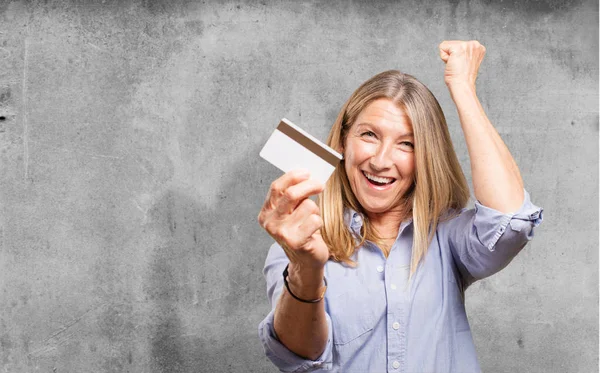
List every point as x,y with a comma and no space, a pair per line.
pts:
377,182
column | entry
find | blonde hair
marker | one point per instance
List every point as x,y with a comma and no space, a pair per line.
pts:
439,189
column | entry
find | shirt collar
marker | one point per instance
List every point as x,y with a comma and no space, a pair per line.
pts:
354,221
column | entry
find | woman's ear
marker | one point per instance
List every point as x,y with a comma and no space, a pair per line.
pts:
340,148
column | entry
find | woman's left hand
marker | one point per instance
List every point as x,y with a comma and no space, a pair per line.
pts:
462,60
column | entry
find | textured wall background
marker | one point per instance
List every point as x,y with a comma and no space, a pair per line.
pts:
130,179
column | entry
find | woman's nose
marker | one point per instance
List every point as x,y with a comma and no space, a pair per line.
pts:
382,158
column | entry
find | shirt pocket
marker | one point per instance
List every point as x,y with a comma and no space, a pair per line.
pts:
355,313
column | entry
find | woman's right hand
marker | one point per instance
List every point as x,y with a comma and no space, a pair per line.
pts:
294,221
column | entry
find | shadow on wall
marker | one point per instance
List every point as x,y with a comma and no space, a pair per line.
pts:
204,283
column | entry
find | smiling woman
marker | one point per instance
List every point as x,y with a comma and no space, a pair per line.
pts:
376,134
375,272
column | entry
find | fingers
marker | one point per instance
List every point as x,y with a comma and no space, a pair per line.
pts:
445,49
301,224
311,225
293,220
289,190
295,230
287,206
444,55
289,179
449,47
276,191
462,59
303,212
295,194
279,186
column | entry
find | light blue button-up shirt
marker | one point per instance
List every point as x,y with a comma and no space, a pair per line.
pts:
378,321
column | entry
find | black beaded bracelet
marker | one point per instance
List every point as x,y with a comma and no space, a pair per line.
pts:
287,286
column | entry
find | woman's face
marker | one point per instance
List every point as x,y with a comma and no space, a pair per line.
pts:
379,157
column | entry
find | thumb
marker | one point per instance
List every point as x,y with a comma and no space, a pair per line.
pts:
445,49
444,55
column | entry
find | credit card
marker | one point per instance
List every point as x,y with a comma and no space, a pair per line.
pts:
290,148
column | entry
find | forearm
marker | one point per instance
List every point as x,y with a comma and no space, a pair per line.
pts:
302,327
497,182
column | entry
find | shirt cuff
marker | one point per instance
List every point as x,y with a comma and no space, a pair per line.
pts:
286,360
491,224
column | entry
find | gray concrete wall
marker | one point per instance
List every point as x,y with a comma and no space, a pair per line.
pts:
130,179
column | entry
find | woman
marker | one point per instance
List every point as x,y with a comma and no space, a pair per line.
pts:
372,278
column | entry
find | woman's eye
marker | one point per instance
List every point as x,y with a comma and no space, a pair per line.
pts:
407,144
368,134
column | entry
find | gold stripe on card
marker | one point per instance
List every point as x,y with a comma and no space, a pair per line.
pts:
301,139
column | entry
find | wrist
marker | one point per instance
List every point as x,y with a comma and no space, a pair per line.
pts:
305,282
461,89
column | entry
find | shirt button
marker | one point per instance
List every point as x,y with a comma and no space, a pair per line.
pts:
396,326
396,364
393,286
379,269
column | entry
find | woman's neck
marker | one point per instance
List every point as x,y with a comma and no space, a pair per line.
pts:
387,224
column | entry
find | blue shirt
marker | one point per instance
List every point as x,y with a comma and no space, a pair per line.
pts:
378,321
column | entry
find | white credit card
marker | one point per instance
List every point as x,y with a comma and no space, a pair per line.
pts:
290,148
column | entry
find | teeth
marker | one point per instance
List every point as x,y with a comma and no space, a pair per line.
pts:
384,180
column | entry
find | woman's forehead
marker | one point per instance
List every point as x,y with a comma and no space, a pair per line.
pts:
384,112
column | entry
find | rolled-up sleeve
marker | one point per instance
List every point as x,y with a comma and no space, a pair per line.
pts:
281,356
484,240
